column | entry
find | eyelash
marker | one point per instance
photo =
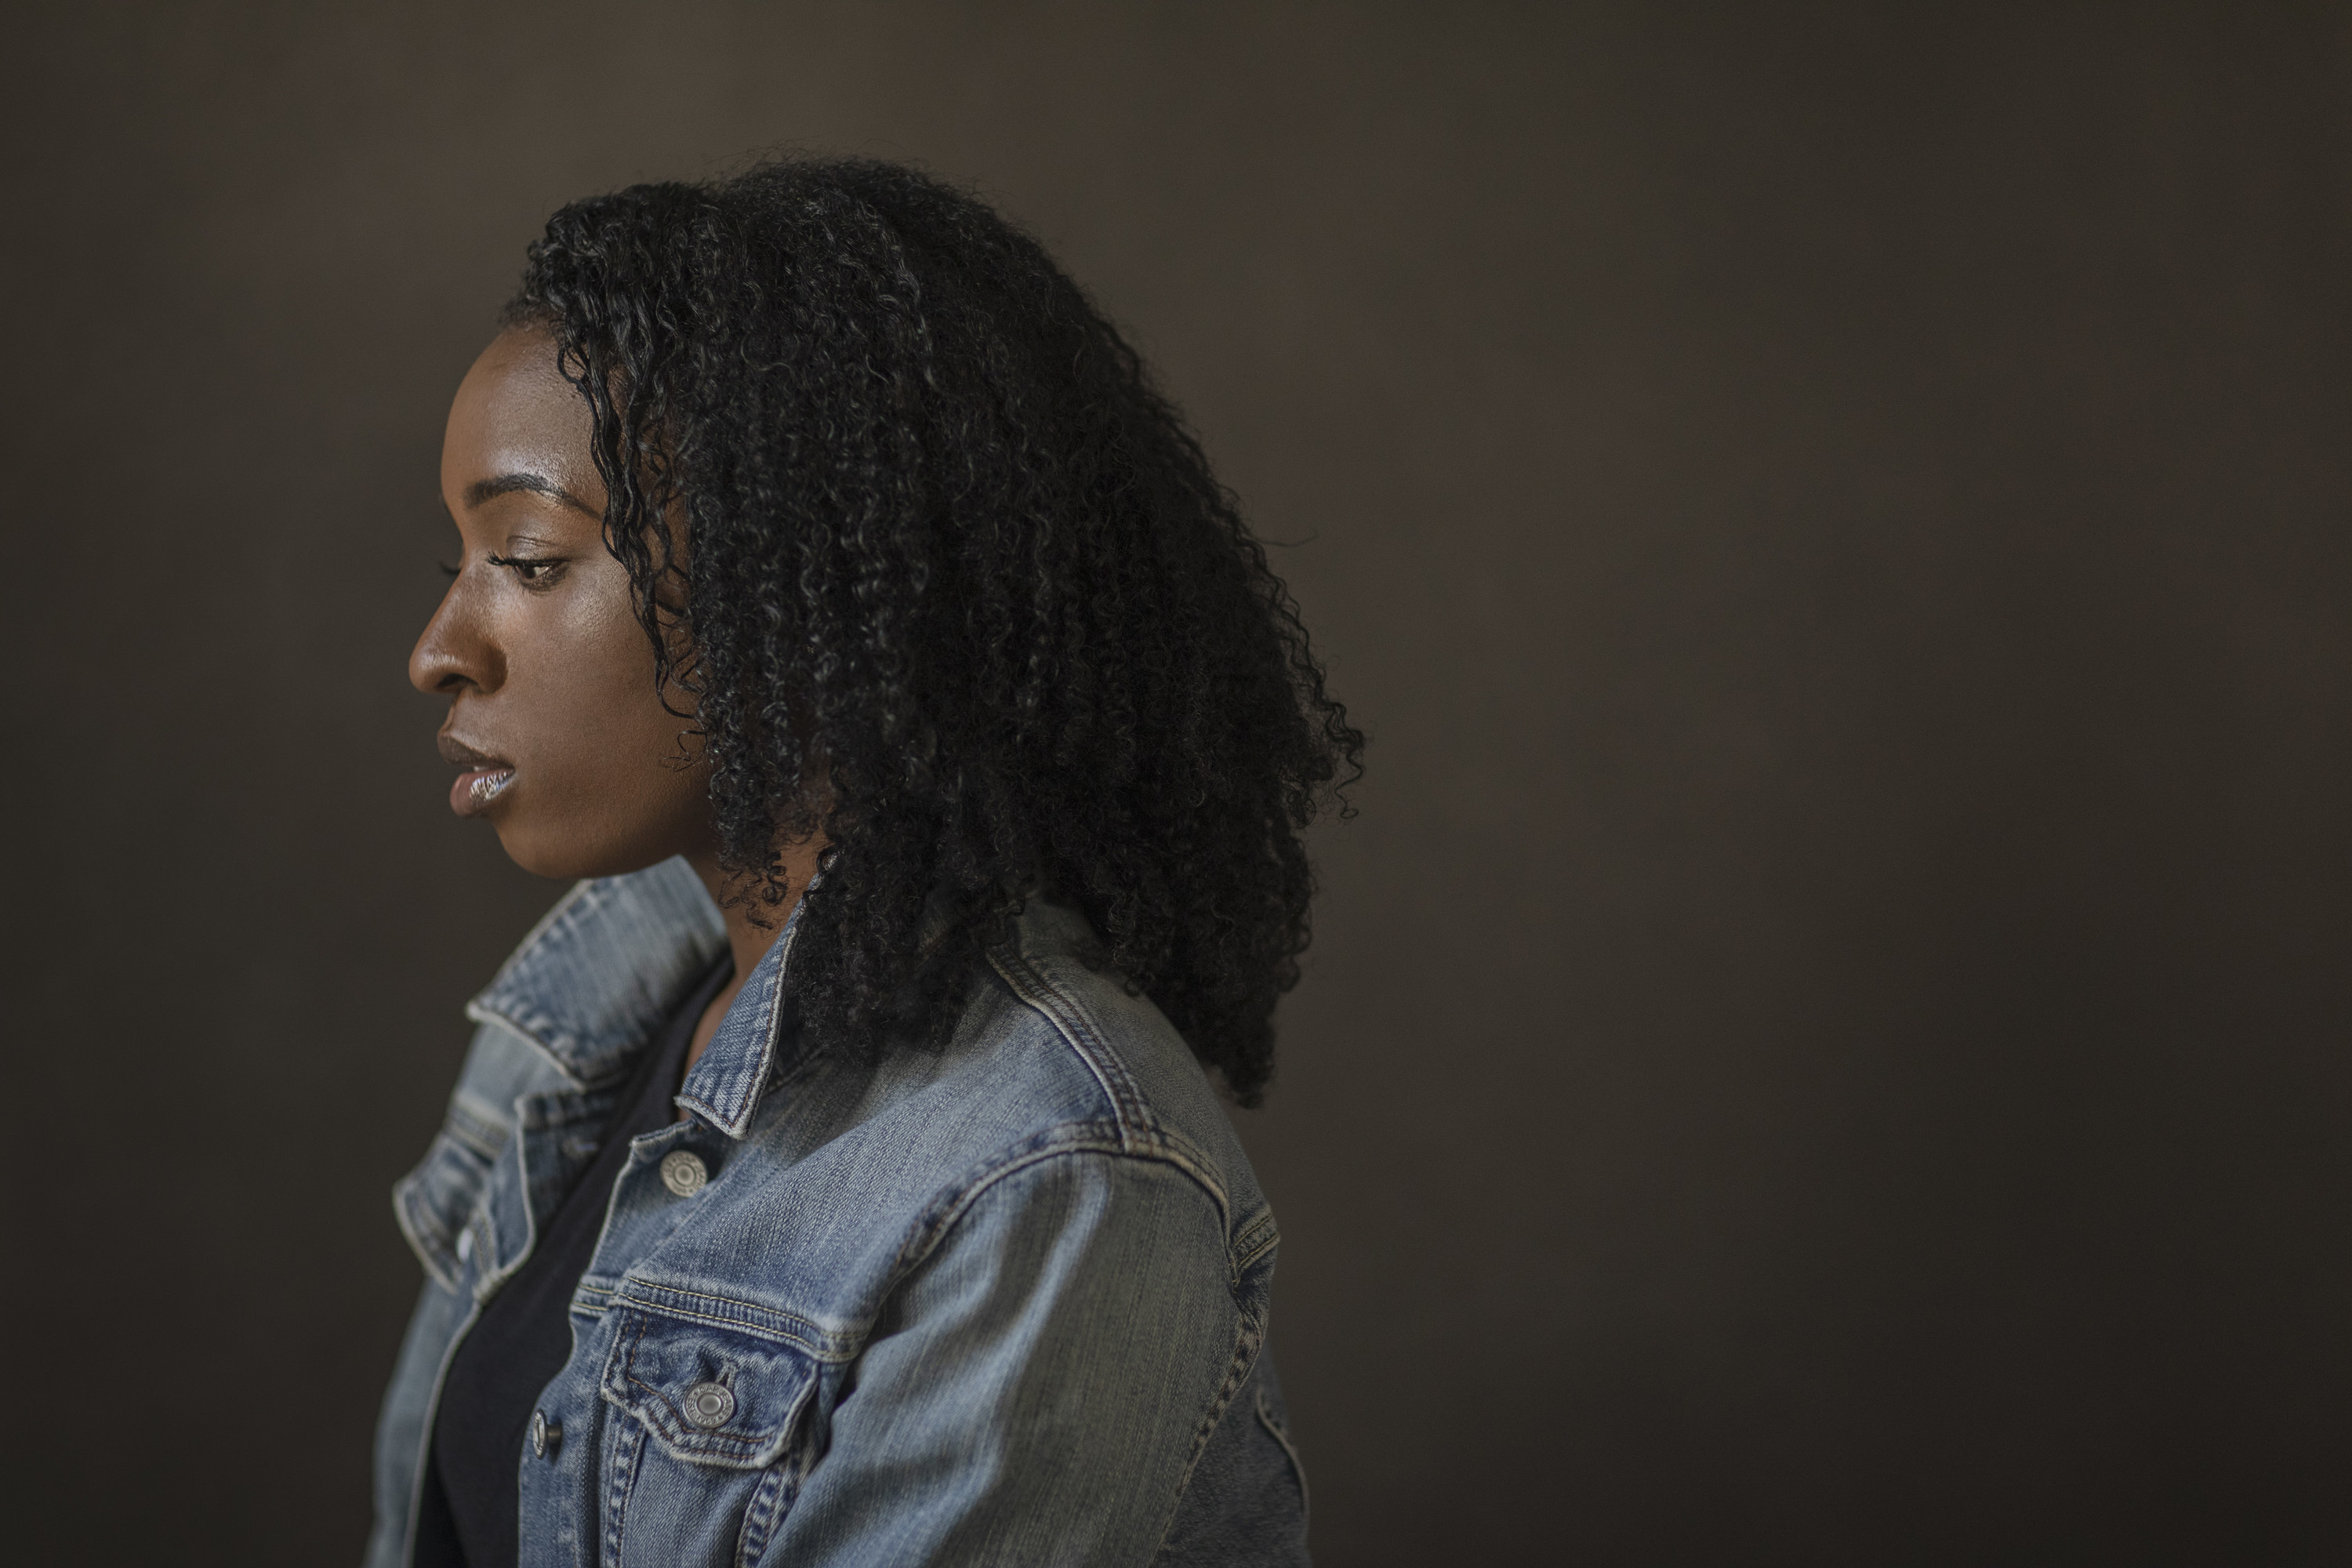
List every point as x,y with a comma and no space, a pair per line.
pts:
522,566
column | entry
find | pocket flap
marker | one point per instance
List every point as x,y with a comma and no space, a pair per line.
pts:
710,1395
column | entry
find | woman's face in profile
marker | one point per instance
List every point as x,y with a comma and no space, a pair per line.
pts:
559,736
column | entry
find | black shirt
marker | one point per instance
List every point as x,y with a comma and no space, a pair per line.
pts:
473,1500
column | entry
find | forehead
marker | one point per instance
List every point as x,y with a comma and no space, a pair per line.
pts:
515,413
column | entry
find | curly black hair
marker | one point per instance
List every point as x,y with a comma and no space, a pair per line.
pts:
957,590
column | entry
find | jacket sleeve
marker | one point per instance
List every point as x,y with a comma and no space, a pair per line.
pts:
1039,1388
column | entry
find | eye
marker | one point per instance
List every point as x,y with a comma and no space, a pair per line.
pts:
532,570
446,569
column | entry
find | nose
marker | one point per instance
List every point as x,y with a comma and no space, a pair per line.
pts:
457,650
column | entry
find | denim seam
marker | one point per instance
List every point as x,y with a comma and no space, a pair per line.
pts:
1298,1466
472,1133
1173,1148
624,1360
482,1012
435,1253
622,1297
628,1450
488,1276
628,1372
932,1225
495,1271
1256,1239
1249,1333
1060,1010
759,1519
707,1296
747,1085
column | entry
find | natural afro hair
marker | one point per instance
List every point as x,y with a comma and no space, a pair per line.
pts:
957,590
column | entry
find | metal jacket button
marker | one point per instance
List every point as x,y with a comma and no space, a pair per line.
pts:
683,1173
709,1404
546,1435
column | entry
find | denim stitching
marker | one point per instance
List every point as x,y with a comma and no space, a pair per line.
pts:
482,1012
621,1363
1132,1132
759,1519
434,1247
1057,1008
748,1445
629,1448
1256,1239
940,1217
923,1238
1298,1466
744,1087
472,1133
1247,1337
624,1296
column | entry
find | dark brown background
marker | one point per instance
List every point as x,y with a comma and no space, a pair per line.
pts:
1828,1043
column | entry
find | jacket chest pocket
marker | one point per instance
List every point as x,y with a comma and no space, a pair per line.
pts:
700,1462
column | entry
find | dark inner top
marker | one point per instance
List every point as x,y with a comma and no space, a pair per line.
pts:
481,1434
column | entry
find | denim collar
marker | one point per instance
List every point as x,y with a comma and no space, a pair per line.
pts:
594,982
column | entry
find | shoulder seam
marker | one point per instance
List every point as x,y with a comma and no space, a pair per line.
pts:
941,1215
1057,1007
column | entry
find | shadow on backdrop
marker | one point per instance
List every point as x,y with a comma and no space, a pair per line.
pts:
1828,1042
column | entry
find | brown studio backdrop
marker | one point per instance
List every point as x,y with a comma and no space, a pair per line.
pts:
1828,1039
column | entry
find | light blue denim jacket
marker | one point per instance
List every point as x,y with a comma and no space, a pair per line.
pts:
1003,1303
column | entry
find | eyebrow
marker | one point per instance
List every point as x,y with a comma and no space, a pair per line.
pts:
481,491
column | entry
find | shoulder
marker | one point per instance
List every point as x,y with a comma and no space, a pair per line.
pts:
1058,1087
1053,1051
1065,1020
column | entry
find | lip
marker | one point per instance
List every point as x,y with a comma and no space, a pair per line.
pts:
482,777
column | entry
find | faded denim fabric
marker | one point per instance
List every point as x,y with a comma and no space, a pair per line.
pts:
1001,1303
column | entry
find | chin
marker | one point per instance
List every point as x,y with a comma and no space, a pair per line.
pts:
566,857
533,856
554,856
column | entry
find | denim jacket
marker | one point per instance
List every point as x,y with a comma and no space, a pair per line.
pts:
999,1303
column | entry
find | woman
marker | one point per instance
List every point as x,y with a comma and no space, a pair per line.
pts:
837,1175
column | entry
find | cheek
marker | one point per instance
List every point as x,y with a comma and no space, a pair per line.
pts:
607,783
600,671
